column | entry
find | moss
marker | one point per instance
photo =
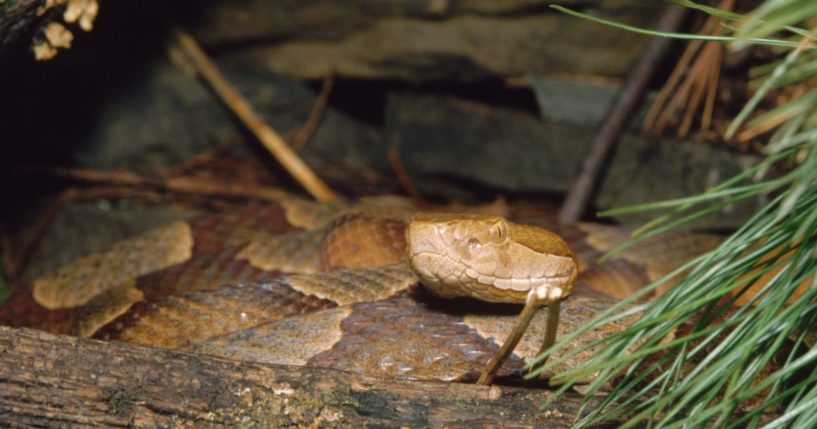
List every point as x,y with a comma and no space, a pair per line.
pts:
119,401
288,407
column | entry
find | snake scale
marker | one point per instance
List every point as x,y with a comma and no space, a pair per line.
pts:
322,284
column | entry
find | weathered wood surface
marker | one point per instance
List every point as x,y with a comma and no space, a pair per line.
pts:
56,381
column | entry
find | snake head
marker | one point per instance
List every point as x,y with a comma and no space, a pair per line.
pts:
487,257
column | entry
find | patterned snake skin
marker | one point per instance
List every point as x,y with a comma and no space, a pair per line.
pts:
321,284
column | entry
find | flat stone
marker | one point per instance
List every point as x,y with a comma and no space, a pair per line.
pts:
426,40
580,102
446,143
169,116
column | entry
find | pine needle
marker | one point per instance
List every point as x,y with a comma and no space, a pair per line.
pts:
694,358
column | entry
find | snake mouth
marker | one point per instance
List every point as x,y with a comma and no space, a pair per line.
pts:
441,268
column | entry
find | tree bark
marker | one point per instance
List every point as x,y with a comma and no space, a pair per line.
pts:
50,381
17,19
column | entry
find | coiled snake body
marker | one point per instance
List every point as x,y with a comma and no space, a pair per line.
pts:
219,285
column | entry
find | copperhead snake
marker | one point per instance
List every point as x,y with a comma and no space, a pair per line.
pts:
247,284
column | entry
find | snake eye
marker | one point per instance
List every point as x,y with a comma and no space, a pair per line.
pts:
499,231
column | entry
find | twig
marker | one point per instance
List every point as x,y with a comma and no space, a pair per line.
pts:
200,159
265,134
693,82
678,71
677,87
302,136
770,123
712,91
402,175
600,148
699,78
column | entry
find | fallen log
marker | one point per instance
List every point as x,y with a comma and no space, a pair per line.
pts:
51,381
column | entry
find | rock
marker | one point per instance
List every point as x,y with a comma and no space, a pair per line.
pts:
425,40
170,116
446,142
580,102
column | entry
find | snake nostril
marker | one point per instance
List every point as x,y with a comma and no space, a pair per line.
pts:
474,244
